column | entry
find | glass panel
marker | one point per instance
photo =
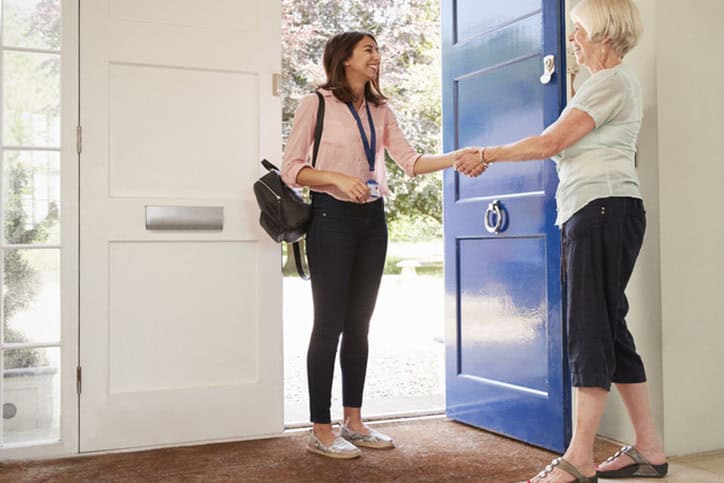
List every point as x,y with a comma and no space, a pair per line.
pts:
31,197
31,24
31,310
31,107
31,395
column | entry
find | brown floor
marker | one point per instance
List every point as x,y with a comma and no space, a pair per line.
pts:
427,450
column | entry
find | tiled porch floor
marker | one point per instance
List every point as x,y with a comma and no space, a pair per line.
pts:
702,468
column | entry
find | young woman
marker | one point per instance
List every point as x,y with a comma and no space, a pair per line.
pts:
602,221
347,236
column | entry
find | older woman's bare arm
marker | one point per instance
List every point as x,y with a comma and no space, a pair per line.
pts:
567,130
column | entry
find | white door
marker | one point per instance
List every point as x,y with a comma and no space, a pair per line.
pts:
180,330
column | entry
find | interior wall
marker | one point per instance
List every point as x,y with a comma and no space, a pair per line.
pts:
675,312
691,143
643,291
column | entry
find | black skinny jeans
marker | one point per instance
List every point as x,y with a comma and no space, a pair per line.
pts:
346,249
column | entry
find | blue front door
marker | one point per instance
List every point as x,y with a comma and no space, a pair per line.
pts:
506,369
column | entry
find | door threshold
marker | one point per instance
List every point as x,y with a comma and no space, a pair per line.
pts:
381,419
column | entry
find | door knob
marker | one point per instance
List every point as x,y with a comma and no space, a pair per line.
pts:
494,217
549,67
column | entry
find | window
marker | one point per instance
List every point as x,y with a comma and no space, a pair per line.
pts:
30,342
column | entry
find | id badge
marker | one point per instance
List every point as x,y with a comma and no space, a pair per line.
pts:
374,189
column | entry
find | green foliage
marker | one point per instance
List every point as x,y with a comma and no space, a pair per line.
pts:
414,229
289,267
20,278
408,35
391,266
417,199
45,23
32,86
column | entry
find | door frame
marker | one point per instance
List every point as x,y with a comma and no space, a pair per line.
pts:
70,276
69,267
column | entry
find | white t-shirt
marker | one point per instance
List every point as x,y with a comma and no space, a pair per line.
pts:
601,164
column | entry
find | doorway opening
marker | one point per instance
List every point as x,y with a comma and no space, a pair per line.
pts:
405,372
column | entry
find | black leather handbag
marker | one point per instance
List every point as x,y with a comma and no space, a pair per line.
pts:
284,214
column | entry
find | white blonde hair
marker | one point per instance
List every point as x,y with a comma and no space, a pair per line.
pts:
619,21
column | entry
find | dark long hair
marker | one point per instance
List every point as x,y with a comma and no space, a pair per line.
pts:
338,49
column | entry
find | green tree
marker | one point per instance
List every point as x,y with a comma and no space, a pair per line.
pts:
20,278
20,284
45,23
407,32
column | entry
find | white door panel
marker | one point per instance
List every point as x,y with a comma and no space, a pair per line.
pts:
194,135
180,331
166,292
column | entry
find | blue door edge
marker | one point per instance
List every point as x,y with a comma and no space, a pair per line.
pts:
554,40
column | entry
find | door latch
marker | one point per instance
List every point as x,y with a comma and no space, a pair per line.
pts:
276,84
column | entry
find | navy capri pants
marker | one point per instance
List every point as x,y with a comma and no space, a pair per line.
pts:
600,244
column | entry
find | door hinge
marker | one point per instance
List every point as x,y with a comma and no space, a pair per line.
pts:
276,84
79,379
79,139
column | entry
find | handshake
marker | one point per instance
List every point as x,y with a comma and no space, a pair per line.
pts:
470,161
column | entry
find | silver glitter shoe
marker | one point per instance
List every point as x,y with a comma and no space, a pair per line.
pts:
340,448
373,440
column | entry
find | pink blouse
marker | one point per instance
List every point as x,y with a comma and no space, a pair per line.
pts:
341,147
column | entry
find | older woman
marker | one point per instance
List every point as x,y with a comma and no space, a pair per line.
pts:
602,219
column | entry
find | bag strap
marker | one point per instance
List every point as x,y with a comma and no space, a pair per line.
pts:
317,139
298,261
269,166
318,128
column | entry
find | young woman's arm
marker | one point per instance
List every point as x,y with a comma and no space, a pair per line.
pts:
429,163
350,186
409,159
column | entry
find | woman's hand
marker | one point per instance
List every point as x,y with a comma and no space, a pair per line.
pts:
352,187
468,162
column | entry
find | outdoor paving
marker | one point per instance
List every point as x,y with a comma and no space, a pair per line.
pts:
405,372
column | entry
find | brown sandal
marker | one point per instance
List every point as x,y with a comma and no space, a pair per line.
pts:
564,465
640,467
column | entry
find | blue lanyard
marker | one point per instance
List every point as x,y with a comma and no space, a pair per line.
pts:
370,147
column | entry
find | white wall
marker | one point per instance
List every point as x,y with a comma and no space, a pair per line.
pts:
676,310
690,70
643,291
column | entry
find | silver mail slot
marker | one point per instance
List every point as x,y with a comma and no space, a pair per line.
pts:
184,217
